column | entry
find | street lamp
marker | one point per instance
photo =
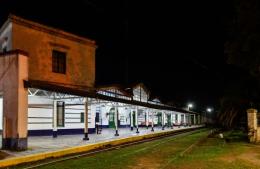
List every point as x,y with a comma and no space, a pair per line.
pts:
208,110
189,106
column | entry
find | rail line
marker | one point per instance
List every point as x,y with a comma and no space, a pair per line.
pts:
177,133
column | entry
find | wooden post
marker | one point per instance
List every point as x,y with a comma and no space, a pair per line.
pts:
131,120
54,119
116,119
147,120
86,119
163,120
136,119
152,121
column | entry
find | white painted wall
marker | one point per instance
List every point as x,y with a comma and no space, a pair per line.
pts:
40,114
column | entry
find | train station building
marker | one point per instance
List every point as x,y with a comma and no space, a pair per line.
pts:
47,88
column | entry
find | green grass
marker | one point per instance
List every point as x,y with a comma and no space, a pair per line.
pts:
214,153
157,151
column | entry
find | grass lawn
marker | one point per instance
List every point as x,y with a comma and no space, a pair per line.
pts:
214,153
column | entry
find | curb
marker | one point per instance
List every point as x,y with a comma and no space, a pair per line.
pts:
80,149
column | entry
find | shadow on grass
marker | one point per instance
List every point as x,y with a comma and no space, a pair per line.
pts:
235,136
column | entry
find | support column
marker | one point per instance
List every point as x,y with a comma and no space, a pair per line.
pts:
116,119
14,67
86,119
190,119
163,120
131,120
171,120
152,122
136,119
147,118
54,119
252,125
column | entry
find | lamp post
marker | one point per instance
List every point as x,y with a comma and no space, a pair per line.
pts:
208,110
189,106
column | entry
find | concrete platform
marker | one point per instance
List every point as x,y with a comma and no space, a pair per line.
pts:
47,147
38,144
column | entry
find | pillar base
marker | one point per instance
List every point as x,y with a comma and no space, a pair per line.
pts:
163,128
54,134
132,128
137,131
152,129
147,127
116,133
16,144
85,137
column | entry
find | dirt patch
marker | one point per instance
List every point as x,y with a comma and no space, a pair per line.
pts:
250,157
4,155
228,158
189,165
146,163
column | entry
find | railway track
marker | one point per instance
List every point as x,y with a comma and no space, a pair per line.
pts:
51,162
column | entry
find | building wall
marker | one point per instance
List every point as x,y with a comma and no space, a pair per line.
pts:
40,114
1,113
6,33
13,72
39,44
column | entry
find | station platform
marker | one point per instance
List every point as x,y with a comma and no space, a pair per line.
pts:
47,144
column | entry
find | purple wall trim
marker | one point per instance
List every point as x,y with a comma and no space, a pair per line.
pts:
59,132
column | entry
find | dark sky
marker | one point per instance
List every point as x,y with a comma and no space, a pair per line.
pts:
173,47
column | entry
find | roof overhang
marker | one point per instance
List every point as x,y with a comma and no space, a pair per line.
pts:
91,92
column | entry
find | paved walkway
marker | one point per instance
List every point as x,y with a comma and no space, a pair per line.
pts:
37,144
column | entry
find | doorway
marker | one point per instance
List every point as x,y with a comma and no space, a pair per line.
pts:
134,120
112,118
159,116
168,120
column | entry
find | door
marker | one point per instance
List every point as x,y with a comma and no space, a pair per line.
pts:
112,118
168,120
134,120
159,116
182,119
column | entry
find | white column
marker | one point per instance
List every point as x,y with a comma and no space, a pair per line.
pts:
86,119
171,120
163,120
54,119
147,116
131,120
136,119
152,121
116,119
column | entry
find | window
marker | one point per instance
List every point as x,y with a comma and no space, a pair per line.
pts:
82,117
60,114
58,62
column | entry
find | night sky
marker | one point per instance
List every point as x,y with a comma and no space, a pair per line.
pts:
172,47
